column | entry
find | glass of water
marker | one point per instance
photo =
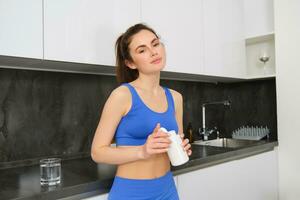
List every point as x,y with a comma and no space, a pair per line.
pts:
50,169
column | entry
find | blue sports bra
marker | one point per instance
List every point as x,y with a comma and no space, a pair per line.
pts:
140,121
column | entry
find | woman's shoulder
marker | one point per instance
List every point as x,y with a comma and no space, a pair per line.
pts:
120,93
177,96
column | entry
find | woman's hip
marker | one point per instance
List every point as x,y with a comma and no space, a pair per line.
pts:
137,189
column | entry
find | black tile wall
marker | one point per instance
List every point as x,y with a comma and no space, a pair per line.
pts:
253,103
51,113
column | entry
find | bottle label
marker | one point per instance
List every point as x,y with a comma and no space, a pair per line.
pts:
176,152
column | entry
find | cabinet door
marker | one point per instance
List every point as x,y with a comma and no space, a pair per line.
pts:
224,46
238,67
255,177
179,23
86,31
259,17
210,183
217,35
21,28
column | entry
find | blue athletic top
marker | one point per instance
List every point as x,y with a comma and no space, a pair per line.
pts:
140,121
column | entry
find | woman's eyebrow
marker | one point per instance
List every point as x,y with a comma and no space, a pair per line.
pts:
143,45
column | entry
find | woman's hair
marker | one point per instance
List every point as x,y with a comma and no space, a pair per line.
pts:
124,73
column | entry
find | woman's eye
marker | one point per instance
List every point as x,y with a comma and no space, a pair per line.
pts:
156,44
141,51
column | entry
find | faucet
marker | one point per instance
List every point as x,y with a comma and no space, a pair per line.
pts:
206,132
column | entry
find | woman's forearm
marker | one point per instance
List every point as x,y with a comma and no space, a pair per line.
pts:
117,155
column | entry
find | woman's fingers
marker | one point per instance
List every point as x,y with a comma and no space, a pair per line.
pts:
187,147
160,145
162,140
156,130
160,134
185,142
181,135
160,150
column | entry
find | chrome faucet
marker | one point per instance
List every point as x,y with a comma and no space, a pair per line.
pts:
206,132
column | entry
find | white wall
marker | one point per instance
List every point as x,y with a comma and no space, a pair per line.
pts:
287,44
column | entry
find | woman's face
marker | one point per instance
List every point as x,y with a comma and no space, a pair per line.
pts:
147,53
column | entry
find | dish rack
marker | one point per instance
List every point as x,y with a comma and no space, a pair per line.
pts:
251,133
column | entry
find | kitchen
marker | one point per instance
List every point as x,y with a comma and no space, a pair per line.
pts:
55,56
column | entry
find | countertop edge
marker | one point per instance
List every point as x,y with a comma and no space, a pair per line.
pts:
226,157
102,187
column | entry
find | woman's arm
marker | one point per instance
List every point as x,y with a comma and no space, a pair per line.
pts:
115,107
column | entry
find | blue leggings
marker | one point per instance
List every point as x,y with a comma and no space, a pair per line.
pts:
162,188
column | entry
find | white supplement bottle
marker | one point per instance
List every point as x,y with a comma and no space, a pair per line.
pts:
176,152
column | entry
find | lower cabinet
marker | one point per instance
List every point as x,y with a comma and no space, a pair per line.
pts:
250,178
254,177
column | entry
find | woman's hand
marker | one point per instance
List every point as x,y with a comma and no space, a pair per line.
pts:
157,142
186,145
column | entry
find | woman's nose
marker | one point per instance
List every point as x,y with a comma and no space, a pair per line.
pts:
153,52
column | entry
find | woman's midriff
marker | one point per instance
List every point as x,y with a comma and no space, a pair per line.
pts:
155,166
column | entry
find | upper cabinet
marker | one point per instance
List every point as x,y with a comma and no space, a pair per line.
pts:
259,17
85,31
224,45
21,28
179,23
259,36
204,37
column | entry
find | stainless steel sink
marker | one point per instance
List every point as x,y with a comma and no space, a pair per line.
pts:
228,142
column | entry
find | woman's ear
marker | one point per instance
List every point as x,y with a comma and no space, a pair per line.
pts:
130,64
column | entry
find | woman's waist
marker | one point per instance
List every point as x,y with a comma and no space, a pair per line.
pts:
154,167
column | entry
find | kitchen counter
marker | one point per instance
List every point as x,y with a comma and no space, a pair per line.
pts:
82,175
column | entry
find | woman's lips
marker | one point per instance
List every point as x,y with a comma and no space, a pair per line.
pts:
156,61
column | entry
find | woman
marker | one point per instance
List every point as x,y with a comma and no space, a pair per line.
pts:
133,114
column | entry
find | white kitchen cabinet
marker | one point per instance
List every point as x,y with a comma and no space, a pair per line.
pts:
254,177
85,31
224,45
238,67
179,23
259,35
259,17
21,27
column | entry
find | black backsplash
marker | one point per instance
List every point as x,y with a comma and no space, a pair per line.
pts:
53,113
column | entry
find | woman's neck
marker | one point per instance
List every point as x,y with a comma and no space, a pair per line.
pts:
148,82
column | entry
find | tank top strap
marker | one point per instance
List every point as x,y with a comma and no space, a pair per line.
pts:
170,98
135,97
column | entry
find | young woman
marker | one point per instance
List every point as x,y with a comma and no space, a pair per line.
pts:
133,114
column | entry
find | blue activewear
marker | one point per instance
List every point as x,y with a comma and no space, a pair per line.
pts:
140,121
162,188
134,129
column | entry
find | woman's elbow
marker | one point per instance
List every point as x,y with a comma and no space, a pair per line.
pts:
98,154
95,155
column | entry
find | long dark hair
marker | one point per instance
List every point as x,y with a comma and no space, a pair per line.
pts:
124,73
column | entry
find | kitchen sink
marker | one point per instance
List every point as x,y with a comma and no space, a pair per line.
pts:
228,142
